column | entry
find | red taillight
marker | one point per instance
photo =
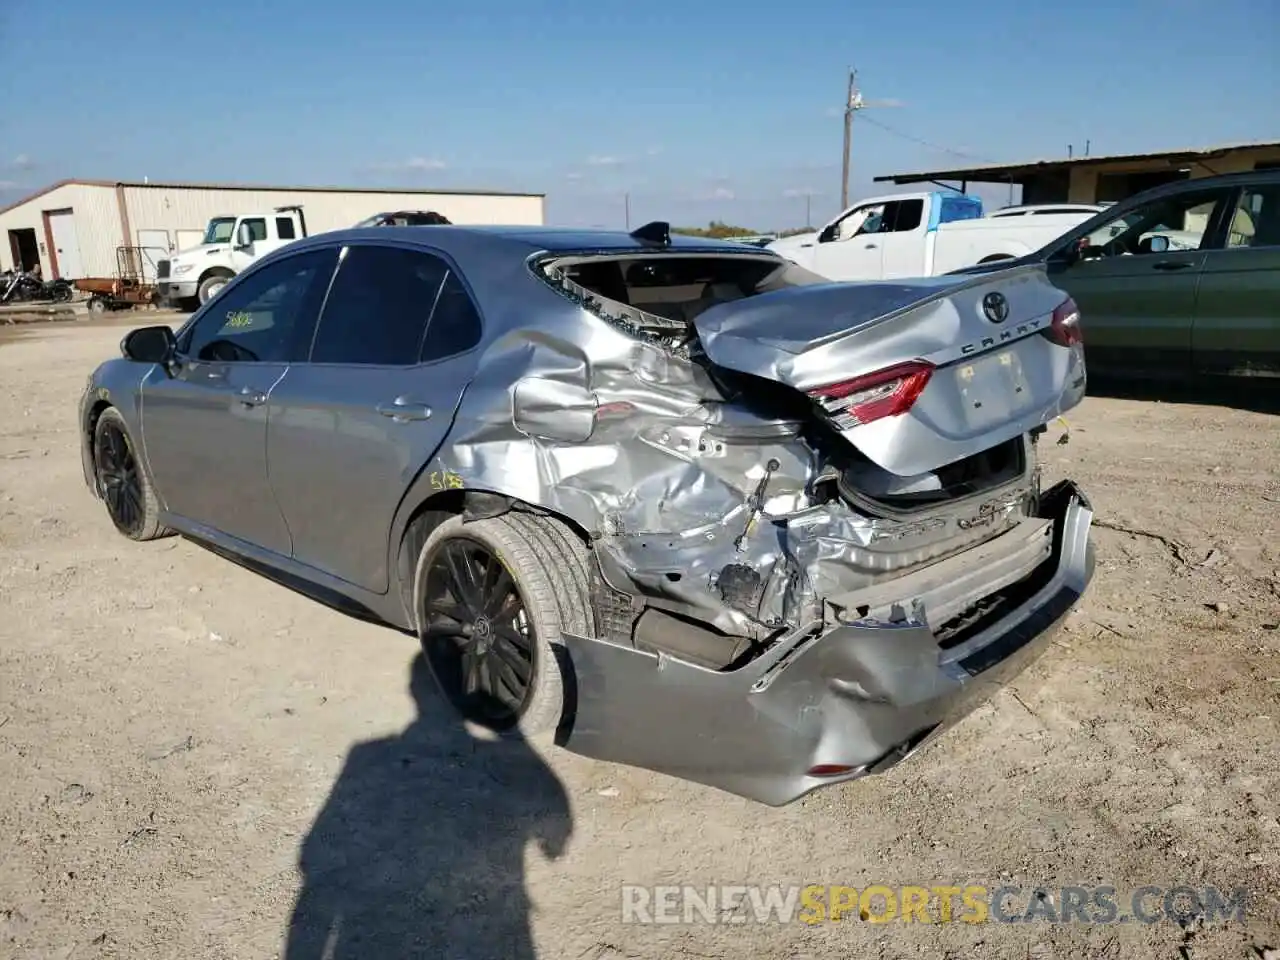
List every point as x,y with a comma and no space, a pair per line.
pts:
885,393
1065,329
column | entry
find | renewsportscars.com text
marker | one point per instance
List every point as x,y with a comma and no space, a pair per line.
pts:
938,903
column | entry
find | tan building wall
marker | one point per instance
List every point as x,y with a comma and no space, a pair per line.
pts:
108,216
174,209
1084,180
97,215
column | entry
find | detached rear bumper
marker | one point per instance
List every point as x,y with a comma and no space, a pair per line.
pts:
863,695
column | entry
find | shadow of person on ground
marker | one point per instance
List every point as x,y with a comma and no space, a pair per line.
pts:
1253,394
419,850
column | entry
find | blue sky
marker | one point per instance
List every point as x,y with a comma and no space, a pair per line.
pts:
699,110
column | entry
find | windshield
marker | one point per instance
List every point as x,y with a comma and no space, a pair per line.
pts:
220,229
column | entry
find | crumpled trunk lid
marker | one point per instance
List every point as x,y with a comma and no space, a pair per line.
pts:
993,374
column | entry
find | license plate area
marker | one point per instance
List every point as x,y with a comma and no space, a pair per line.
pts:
992,389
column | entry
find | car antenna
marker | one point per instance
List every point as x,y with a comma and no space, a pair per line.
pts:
659,232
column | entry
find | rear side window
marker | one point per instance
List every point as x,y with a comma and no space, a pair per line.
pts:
378,307
902,215
455,324
284,228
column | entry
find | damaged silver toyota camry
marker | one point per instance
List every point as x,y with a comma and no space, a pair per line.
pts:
677,500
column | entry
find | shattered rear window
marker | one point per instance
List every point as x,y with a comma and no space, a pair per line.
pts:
658,296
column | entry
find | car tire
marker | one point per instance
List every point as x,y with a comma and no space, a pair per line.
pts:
211,284
122,481
547,567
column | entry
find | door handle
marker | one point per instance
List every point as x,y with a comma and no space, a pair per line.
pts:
402,410
251,397
1170,265
870,246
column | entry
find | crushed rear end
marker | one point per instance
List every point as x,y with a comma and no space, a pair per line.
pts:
852,549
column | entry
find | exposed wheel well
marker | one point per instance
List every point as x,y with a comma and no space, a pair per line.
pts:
92,423
438,508
996,256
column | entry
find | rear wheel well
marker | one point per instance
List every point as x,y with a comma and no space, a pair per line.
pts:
996,256
438,508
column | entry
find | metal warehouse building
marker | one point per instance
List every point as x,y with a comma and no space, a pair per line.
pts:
74,227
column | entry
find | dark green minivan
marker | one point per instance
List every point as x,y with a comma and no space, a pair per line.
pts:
1180,280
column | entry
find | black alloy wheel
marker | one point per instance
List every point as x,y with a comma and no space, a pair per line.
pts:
478,636
119,479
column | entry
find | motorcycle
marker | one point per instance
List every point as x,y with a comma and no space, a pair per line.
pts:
17,286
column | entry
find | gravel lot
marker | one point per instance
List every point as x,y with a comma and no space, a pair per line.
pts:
176,732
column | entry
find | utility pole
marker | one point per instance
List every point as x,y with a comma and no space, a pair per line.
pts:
852,104
808,206
626,199
851,101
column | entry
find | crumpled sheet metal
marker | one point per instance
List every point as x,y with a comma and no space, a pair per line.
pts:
664,481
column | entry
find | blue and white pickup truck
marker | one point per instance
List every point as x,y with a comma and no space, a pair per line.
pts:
921,235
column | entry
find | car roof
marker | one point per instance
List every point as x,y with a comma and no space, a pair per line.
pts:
532,237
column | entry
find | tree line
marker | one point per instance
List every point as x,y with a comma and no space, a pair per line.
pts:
718,230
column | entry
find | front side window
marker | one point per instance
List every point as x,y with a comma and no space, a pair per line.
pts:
1183,221
378,308
267,317
257,228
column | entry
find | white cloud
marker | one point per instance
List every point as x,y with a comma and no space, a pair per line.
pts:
10,185
720,193
573,176
653,151
597,160
792,193
23,161
413,164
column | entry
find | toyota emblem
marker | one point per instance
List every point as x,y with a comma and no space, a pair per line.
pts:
996,306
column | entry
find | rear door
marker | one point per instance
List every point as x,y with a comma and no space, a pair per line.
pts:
350,429
902,239
1237,315
1136,305
204,424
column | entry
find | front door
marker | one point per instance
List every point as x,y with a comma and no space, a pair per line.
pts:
66,245
349,430
204,421
848,249
1237,319
1135,277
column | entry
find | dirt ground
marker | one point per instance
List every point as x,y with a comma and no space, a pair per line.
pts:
176,732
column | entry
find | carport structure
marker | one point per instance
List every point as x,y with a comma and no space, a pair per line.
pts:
1103,178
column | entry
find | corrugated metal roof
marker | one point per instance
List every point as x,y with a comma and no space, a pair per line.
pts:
1001,171
186,185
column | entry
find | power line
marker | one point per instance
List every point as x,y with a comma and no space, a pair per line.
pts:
922,142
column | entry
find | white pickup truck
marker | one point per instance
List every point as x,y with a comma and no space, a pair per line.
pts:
920,235
230,244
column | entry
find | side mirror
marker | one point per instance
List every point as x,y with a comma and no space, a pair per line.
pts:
149,345
244,237
1092,253
828,234
1154,244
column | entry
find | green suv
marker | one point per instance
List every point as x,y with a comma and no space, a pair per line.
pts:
1180,280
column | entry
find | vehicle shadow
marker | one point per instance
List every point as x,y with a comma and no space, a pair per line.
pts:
419,849
1252,394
